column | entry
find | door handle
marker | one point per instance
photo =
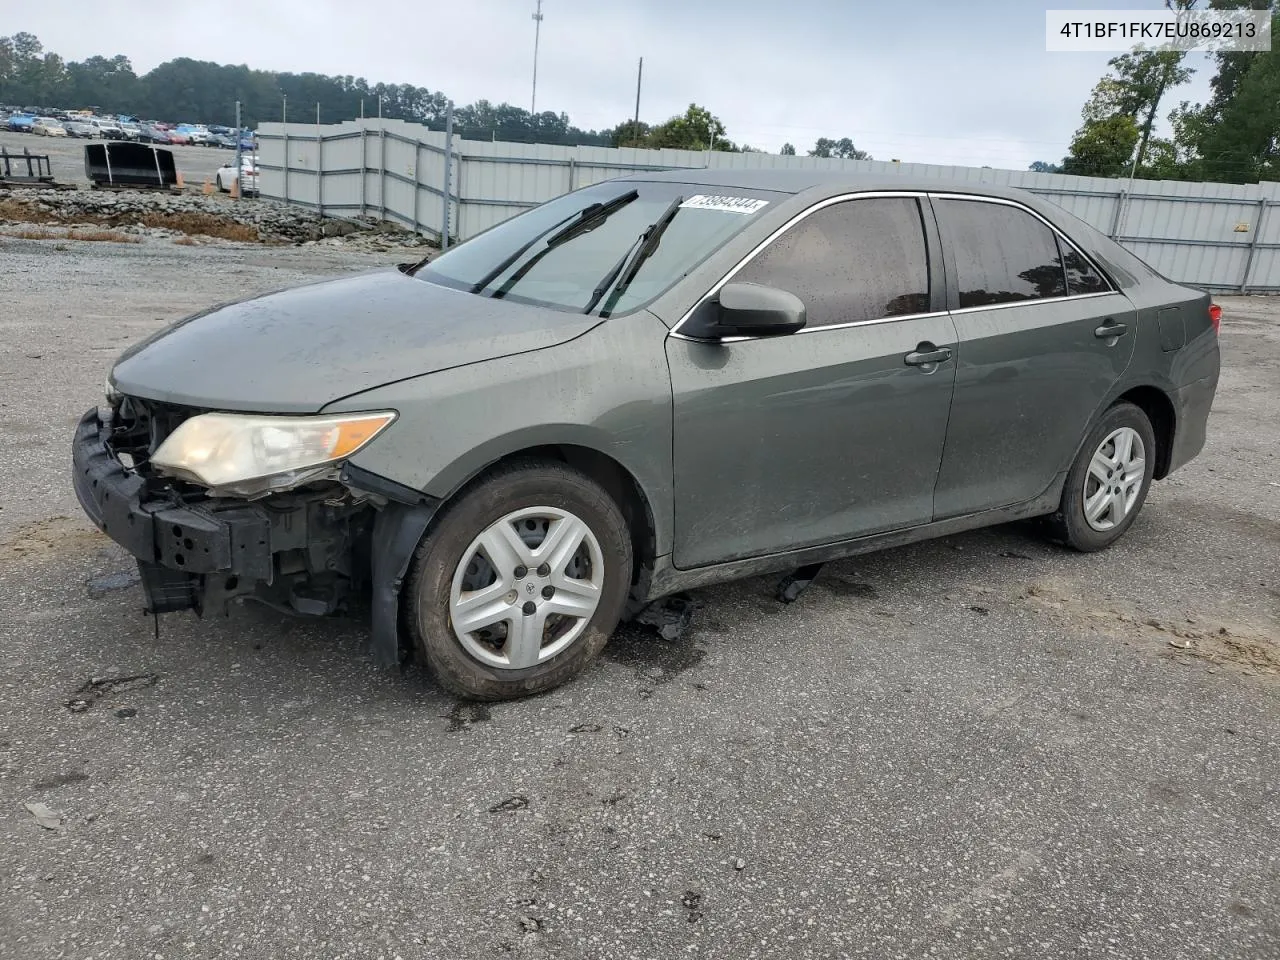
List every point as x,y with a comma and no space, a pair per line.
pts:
1111,329
926,354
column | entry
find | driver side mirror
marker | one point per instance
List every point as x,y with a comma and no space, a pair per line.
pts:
747,310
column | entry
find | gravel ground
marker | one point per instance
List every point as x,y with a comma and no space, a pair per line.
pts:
979,746
66,157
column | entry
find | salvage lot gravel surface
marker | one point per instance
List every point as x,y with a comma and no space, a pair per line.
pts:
980,746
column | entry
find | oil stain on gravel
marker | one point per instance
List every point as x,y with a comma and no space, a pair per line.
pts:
96,688
464,715
655,661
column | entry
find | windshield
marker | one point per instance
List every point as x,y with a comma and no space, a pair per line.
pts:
565,252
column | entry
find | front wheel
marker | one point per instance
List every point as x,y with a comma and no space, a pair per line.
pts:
519,584
1108,483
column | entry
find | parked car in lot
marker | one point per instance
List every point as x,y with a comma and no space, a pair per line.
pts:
177,138
79,128
226,175
106,129
195,133
48,127
130,130
153,133
648,385
223,140
20,123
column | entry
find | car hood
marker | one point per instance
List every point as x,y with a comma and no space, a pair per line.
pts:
297,350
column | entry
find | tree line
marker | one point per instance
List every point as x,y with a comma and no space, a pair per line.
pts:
1234,137
199,91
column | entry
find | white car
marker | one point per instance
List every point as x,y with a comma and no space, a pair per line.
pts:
49,127
196,133
226,175
106,129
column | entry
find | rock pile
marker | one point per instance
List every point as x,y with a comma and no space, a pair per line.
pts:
156,214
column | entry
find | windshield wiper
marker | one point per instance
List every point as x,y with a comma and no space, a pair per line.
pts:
625,270
587,219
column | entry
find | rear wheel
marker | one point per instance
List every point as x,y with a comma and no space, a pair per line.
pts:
520,583
1108,483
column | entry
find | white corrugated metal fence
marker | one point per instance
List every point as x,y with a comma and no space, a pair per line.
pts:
1216,235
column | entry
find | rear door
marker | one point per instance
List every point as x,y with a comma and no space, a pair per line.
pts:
833,432
1043,339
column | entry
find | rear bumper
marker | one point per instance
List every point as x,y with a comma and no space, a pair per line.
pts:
1193,403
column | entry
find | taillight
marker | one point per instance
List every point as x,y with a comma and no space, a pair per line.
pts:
1215,317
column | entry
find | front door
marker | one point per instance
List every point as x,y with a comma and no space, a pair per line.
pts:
1043,339
830,433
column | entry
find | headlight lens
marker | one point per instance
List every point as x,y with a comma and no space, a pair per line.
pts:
230,450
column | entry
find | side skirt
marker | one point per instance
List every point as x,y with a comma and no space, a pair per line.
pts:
668,579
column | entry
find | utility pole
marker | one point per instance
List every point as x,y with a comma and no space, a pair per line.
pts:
635,126
537,35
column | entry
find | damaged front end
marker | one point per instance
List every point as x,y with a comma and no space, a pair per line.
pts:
324,546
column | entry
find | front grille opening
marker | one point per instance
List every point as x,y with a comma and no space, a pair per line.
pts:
139,426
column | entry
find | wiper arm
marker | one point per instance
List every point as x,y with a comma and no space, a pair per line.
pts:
497,271
590,215
587,219
625,270
559,232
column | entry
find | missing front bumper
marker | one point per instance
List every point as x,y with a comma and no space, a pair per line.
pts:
178,546
308,551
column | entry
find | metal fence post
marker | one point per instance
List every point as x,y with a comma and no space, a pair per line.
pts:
239,155
319,165
382,168
364,159
417,181
284,122
1115,219
1263,205
573,174
448,172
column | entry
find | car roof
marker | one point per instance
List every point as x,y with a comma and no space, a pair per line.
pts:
834,181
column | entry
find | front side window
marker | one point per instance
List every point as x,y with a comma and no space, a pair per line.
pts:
578,252
1002,254
853,261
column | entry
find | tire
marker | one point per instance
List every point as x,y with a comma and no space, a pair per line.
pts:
221,188
1071,525
478,665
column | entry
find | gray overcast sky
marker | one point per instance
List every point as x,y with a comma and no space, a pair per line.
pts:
938,81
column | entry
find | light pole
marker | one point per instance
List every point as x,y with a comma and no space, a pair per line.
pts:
537,35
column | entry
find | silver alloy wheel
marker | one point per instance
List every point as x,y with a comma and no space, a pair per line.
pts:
1115,478
526,588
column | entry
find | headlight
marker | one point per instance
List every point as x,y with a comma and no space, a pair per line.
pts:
249,455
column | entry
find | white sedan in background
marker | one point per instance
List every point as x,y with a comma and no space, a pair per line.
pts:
49,127
226,175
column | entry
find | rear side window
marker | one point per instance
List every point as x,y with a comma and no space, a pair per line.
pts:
1002,254
852,261
1081,276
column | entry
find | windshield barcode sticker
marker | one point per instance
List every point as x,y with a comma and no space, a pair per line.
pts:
744,205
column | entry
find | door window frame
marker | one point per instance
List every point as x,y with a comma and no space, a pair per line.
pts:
938,291
944,293
953,283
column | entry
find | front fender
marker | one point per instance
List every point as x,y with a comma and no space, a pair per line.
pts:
608,391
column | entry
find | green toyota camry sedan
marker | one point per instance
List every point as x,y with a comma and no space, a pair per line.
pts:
647,385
